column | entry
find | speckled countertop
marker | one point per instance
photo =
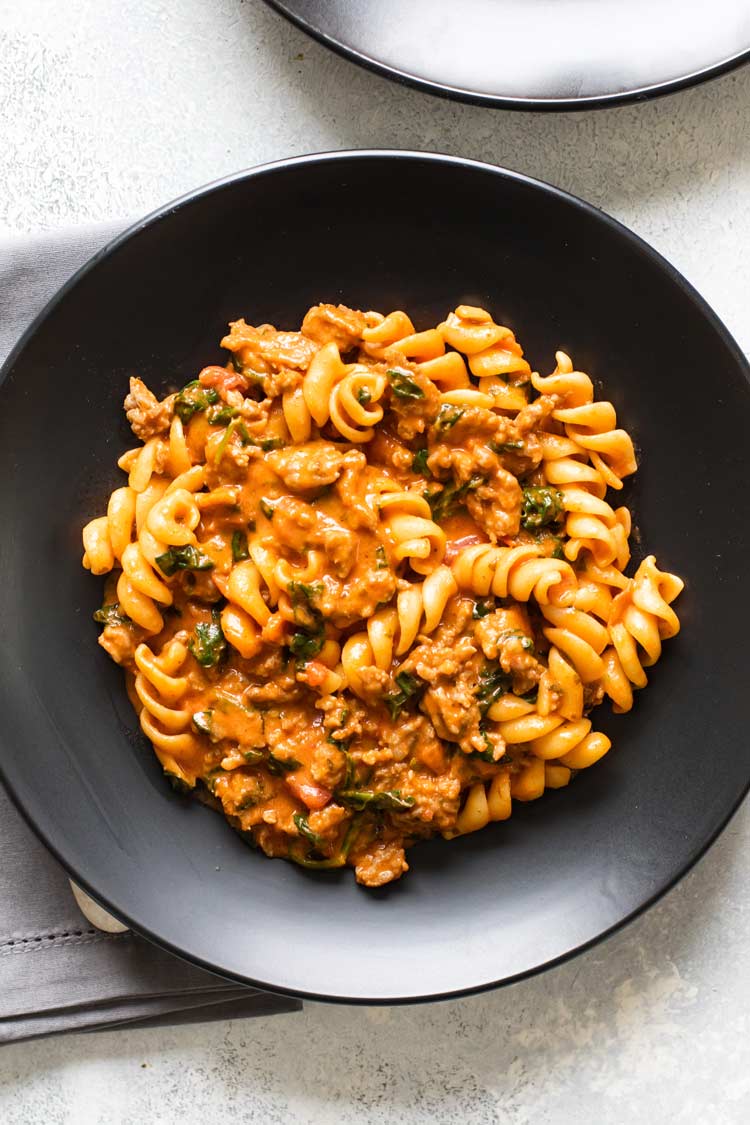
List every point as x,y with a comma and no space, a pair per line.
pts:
109,109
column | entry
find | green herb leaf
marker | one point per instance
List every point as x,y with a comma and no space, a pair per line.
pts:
540,507
419,463
384,800
192,399
207,643
364,396
403,384
337,860
505,446
305,830
448,417
408,686
302,596
481,609
443,504
266,509
304,590
493,683
202,720
235,426
252,757
351,768
239,547
380,555
306,645
342,743
182,558
488,754
221,414
280,766
111,615
179,784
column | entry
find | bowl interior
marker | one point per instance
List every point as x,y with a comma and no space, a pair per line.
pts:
377,231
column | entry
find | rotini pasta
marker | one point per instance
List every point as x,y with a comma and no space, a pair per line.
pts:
367,583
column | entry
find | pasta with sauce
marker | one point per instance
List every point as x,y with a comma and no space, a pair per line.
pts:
367,586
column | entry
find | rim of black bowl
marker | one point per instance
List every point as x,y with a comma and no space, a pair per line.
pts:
504,101
99,894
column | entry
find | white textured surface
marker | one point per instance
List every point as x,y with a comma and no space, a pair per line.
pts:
110,108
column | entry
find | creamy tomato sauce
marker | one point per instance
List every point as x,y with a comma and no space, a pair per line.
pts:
308,585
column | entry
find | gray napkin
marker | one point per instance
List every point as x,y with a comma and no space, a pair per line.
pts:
57,973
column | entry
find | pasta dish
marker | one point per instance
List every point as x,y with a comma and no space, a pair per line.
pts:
367,585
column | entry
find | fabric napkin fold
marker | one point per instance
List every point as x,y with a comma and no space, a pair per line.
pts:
57,972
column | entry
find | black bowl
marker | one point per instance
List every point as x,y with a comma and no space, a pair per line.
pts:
382,230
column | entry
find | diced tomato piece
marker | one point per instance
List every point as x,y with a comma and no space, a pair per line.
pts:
315,673
312,795
222,379
453,546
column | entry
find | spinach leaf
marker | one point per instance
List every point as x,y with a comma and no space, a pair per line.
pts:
307,591
280,766
306,613
202,720
419,463
481,609
337,860
179,784
384,800
223,444
403,384
305,830
408,686
493,683
488,754
448,417
306,645
183,558
342,743
505,446
540,506
239,547
443,504
111,615
192,399
221,414
363,396
266,508
207,643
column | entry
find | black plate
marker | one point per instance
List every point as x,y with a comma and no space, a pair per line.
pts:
382,230
534,54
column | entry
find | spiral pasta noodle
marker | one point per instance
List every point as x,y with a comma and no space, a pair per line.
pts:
368,583
515,572
165,719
